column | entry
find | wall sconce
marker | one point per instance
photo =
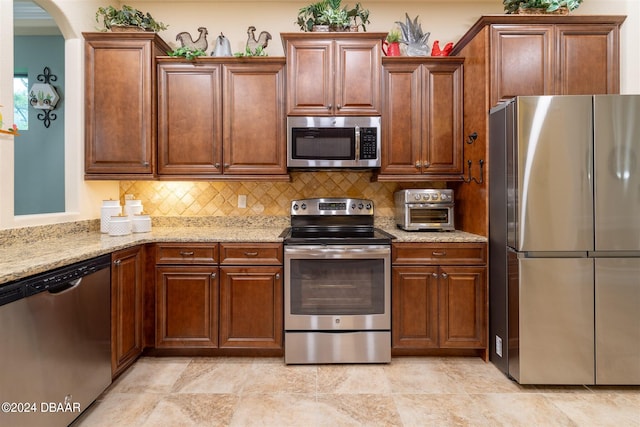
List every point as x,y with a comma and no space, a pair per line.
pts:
43,96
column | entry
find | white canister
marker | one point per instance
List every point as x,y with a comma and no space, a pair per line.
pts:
132,207
141,223
109,208
119,225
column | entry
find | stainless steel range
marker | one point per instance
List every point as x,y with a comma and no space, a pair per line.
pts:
337,284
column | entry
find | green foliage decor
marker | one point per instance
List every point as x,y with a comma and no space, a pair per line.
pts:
331,13
188,52
512,6
127,17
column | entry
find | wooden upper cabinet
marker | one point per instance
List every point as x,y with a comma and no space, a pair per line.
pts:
422,120
522,60
221,118
120,94
588,59
254,135
333,74
560,57
189,119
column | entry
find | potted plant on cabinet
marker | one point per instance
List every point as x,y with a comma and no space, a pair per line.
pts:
540,6
127,19
327,15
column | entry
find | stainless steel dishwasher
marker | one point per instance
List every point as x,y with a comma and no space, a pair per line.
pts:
55,344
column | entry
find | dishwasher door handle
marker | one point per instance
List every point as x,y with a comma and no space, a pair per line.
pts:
65,287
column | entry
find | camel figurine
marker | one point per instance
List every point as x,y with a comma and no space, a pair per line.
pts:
186,41
262,41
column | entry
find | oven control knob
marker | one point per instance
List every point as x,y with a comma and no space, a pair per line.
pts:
417,196
443,197
304,206
368,206
360,206
295,207
353,206
426,197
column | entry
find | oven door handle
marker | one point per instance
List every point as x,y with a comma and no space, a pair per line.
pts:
332,252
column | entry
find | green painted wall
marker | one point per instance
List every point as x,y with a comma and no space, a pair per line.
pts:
39,151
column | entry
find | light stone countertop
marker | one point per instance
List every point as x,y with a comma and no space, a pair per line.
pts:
20,260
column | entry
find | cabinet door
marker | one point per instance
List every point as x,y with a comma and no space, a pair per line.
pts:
588,59
521,61
126,308
357,77
189,119
310,77
186,307
442,119
120,104
414,297
402,118
254,120
251,306
462,304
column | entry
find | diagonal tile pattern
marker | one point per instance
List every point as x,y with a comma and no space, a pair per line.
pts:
407,392
199,198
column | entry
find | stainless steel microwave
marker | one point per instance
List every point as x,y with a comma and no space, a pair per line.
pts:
333,142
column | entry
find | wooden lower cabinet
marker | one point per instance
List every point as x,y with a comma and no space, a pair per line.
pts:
126,307
439,302
187,307
251,296
251,307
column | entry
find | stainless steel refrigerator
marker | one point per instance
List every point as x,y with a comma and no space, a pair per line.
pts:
564,239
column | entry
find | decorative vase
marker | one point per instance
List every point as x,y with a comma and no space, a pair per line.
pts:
541,11
392,49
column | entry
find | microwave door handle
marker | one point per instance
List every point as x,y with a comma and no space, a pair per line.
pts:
357,157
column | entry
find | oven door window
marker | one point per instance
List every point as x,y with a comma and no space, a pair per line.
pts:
323,143
429,215
337,287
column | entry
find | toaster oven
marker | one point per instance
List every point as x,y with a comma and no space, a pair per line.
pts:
424,209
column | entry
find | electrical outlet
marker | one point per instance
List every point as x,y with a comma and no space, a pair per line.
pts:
242,201
498,346
128,196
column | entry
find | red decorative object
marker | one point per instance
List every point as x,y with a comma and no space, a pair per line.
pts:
436,51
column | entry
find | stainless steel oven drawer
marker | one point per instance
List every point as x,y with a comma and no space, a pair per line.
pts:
332,347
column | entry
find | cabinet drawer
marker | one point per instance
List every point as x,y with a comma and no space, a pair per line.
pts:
439,253
190,253
250,253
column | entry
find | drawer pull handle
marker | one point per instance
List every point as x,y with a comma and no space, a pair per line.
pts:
186,253
251,254
439,253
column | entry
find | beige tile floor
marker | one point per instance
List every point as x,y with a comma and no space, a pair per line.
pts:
407,392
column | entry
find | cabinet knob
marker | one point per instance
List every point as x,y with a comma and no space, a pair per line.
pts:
277,276
145,163
339,106
435,275
226,165
445,275
426,164
329,107
213,275
418,164
217,165
117,262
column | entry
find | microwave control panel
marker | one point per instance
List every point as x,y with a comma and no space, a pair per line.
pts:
368,143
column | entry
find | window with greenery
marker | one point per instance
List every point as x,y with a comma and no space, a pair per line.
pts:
21,101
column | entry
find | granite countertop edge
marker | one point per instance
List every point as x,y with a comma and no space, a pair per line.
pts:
18,261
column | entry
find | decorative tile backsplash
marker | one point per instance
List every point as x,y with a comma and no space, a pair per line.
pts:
220,198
